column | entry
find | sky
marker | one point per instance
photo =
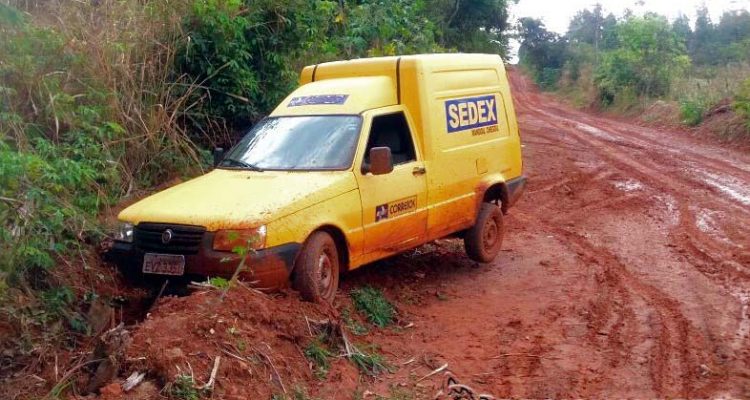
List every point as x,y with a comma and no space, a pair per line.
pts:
556,14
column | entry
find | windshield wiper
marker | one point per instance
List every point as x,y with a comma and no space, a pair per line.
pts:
238,163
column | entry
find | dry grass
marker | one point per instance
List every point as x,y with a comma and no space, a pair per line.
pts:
129,48
711,84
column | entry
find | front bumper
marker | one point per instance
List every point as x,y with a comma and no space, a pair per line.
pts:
268,268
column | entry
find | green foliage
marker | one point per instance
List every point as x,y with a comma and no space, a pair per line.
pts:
352,323
471,25
691,112
245,56
722,43
742,102
648,58
54,172
317,352
184,388
373,304
219,282
636,58
370,363
542,52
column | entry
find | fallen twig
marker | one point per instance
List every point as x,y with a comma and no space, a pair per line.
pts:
62,382
275,371
133,380
437,371
212,379
517,355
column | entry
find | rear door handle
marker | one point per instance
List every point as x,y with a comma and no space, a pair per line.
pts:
419,171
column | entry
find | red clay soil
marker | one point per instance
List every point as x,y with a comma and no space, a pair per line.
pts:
625,274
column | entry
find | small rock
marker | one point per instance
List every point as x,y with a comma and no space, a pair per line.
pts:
174,353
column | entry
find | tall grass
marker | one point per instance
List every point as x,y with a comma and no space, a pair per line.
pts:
90,112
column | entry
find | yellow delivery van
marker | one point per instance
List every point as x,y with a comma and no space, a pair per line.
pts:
366,159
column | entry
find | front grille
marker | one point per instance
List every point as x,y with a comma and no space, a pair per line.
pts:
186,239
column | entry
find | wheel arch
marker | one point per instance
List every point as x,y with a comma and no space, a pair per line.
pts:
497,192
342,245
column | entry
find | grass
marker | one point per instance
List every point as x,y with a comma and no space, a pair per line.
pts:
370,362
374,306
318,354
354,326
184,388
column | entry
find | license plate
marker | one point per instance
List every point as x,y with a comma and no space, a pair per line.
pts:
163,264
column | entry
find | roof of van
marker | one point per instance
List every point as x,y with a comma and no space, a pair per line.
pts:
353,86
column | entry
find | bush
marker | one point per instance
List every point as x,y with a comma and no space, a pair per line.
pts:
692,111
742,102
87,116
373,304
648,58
245,56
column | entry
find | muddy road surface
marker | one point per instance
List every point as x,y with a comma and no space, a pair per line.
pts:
626,271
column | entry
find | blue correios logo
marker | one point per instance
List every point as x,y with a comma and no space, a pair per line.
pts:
470,113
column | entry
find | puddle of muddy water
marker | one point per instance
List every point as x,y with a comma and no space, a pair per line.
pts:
630,185
729,185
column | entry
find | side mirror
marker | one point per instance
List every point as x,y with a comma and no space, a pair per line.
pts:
218,154
381,160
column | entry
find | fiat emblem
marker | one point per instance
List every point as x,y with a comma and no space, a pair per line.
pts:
166,237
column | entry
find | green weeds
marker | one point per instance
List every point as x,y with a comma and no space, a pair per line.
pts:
317,352
370,362
742,102
372,303
691,112
184,388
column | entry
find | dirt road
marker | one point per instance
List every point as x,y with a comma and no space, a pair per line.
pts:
626,271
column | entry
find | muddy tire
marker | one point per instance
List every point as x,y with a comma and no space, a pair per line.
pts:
316,272
484,240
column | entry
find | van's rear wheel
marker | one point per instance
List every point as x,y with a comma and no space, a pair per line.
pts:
316,272
484,240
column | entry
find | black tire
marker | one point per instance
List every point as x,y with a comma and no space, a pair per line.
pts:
484,240
316,272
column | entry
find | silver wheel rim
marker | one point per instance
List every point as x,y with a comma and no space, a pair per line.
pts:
490,234
325,274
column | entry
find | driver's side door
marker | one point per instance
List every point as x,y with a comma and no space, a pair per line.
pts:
394,205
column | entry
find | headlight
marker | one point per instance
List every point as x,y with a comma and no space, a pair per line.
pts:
236,239
124,232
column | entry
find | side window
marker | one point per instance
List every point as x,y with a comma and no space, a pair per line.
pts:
392,131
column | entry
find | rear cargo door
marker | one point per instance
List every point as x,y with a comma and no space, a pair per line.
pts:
394,204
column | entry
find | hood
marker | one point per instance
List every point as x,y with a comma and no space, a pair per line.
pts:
232,199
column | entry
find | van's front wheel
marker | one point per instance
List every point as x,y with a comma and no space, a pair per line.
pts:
484,240
316,272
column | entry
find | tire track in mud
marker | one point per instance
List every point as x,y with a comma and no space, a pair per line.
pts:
682,349
670,363
649,173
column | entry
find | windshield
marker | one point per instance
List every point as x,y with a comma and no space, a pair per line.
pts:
325,142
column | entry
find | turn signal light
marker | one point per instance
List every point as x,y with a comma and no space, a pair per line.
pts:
237,240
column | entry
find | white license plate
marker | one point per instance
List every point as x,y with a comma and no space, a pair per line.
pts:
163,264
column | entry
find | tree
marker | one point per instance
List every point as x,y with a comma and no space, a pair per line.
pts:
703,43
542,51
681,28
733,37
587,27
471,25
649,56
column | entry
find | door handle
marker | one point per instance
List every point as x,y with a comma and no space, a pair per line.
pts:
419,171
